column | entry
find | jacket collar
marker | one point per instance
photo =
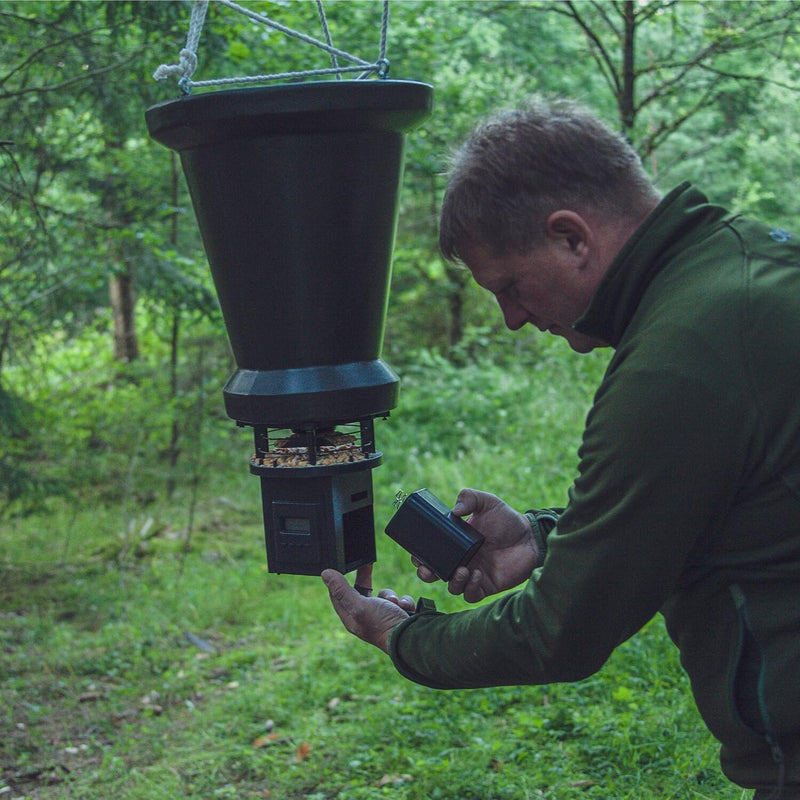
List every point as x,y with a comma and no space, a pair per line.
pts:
682,218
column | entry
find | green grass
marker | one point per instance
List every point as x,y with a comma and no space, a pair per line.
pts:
145,651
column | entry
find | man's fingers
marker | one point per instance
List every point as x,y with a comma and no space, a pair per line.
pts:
471,501
329,575
388,594
458,581
345,599
369,618
474,591
343,596
363,583
466,503
426,574
348,603
406,602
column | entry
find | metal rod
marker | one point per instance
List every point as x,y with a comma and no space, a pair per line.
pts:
368,435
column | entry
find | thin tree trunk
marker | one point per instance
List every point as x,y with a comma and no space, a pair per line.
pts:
123,302
456,302
626,100
5,337
456,279
173,450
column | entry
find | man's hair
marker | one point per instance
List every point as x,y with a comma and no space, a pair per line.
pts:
519,166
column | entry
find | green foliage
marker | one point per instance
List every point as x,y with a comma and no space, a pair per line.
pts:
101,428
19,479
145,652
459,423
85,195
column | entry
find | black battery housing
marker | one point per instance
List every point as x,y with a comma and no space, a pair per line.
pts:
425,527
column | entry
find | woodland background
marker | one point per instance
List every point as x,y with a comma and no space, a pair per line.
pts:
144,651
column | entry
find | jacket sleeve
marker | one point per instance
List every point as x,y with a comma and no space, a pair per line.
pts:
660,461
542,521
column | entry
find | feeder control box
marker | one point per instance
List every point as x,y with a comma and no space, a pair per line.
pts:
425,527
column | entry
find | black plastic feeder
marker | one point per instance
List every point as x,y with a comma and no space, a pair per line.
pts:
295,188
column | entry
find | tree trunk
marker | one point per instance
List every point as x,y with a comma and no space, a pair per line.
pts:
626,98
173,449
5,337
123,301
455,301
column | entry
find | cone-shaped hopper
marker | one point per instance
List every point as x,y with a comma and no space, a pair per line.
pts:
295,188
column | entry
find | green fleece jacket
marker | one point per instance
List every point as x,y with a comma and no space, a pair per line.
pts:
687,499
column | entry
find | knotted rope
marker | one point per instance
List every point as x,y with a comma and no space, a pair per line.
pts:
188,56
187,64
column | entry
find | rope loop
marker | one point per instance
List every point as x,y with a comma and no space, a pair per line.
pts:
187,63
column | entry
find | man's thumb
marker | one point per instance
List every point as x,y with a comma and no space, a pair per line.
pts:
466,503
336,583
338,588
328,575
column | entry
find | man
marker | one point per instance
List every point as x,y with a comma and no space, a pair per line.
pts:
687,499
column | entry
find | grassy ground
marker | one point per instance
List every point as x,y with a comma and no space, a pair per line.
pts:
145,652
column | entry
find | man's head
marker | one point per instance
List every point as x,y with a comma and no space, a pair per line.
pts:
538,203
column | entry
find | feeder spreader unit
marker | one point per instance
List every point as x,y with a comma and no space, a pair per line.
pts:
296,191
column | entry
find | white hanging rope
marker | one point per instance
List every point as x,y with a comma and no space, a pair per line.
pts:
188,56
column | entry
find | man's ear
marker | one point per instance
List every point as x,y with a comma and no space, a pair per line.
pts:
570,229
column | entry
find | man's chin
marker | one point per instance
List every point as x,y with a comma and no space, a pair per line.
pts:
582,347
577,341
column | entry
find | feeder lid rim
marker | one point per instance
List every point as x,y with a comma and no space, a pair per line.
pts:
313,96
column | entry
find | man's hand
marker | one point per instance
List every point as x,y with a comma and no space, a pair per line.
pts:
369,618
504,560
